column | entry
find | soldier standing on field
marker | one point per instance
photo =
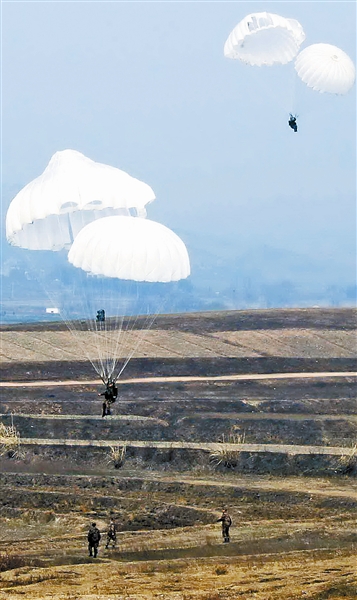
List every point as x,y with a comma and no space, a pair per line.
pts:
93,540
226,523
112,534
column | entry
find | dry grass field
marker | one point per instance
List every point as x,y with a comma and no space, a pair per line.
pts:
276,446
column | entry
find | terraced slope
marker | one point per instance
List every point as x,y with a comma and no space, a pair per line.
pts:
190,402
211,335
289,536
289,482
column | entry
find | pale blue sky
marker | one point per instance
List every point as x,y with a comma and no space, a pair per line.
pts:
145,87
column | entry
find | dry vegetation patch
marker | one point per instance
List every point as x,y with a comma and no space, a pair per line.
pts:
292,537
228,449
348,461
313,575
9,440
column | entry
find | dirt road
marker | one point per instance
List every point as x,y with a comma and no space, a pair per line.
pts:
208,447
183,379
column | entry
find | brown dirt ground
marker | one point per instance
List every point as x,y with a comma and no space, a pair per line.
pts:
293,537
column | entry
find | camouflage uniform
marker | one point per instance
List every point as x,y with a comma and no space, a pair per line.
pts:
110,395
226,523
111,535
93,540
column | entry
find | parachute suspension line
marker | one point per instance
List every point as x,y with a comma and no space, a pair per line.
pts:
70,230
141,337
124,326
110,333
87,301
265,90
102,329
74,327
86,325
101,248
113,335
54,300
293,99
127,325
112,338
91,347
288,89
85,312
113,325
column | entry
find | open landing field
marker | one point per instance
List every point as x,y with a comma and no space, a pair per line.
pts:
276,446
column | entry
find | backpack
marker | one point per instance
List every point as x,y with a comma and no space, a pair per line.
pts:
227,521
94,535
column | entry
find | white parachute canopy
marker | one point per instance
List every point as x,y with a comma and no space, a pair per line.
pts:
326,68
131,249
265,39
129,268
71,192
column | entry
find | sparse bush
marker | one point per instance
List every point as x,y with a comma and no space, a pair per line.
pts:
117,456
9,440
348,461
221,570
11,561
226,455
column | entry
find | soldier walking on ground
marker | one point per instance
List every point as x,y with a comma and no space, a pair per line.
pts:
226,523
112,534
93,540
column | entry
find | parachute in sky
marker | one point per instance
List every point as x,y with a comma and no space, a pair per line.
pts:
265,39
131,249
129,265
326,68
72,191
128,269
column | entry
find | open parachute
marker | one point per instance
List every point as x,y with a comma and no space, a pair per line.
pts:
129,267
326,68
72,191
131,249
123,269
265,39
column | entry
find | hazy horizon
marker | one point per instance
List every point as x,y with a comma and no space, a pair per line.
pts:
145,87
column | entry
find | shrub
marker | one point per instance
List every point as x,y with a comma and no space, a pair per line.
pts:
226,455
221,570
117,456
348,461
11,561
9,440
